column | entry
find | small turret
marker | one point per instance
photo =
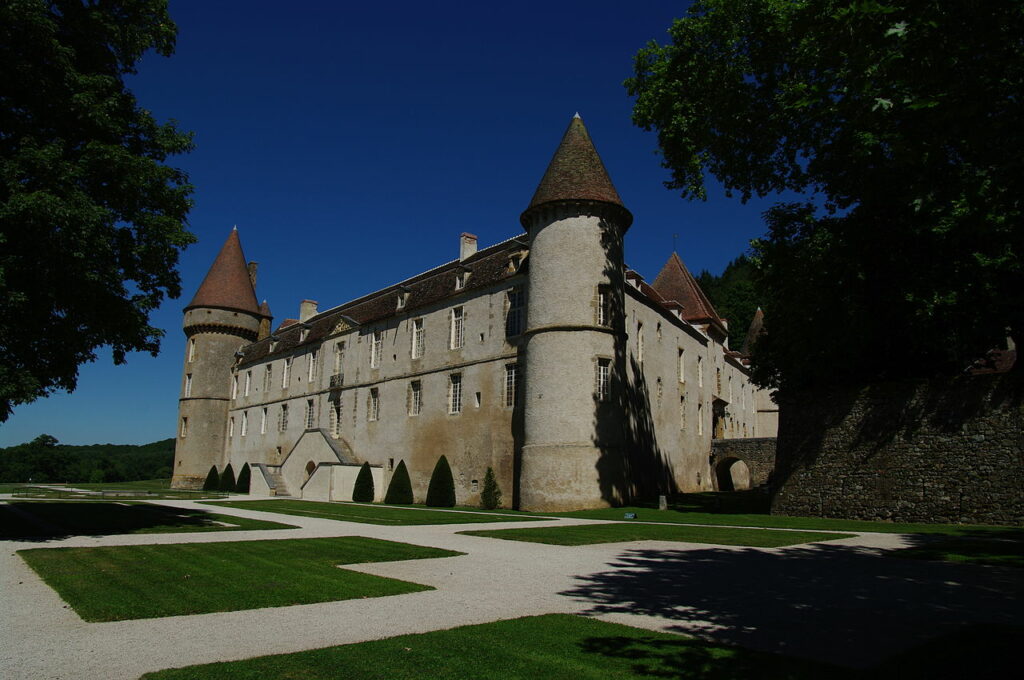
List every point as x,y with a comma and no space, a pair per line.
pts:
576,222
221,318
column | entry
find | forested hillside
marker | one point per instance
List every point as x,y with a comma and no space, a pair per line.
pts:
44,459
734,296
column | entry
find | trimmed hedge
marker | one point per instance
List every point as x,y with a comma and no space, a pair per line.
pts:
363,490
227,479
490,497
400,488
212,482
441,492
244,477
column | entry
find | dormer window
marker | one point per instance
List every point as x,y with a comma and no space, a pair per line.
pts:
403,298
303,334
515,261
461,277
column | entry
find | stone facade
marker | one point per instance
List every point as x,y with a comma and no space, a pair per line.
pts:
542,357
757,456
938,451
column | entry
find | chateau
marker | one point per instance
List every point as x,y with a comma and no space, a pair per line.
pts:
542,357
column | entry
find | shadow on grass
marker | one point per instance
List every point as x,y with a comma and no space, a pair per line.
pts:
838,604
996,547
46,521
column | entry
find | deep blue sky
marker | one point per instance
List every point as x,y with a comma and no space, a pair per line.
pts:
353,142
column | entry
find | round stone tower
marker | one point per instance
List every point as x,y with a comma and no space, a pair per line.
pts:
574,347
222,317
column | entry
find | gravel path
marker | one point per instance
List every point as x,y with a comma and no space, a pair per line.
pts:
836,601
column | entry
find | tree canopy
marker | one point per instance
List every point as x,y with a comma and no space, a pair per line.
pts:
734,295
91,219
900,123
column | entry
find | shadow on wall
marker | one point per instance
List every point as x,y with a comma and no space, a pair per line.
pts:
631,466
838,604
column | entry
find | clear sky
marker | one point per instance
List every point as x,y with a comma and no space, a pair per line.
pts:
353,142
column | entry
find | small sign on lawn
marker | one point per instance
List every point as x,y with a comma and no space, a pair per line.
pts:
630,515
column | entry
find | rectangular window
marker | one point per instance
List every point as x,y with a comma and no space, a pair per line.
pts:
700,419
231,427
245,423
373,406
310,414
336,418
415,397
681,367
234,387
604,306
184,427
602,379
314,365
456,336
682,412
700,371
339,356
640,342
188,384
248,382
191,350
511,378
282,423
263,421
286,374
268,377
455,393
418,339
376,349
514,317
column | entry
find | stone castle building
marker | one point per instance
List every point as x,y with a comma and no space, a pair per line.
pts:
542,357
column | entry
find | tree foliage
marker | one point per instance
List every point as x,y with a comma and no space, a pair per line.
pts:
44,459
400,488
363,491
490,495
227,479
91,219
212,482
734,295
441,490
244,479
900,122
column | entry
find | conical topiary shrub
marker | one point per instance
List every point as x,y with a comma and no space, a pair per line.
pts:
400,488
490,496
441,492
227,479
212,482
362,492
244,477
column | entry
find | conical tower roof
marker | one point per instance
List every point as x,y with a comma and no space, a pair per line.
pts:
576,173
265,310
675,282
756,328
227,285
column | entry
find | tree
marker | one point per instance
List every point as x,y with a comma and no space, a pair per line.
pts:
490,496
363,490
91,219
212,482
734,295
400,488
441,490
244,479
227,479
900,123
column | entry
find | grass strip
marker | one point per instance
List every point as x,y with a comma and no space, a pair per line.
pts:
996,552
371,514
587,534
54,518
550,646
146,581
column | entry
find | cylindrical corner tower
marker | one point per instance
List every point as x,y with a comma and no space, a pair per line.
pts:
574,336
222,317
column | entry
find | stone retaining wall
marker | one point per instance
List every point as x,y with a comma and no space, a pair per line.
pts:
938,451
758,453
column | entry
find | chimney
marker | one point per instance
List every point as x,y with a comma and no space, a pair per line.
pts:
252,267
467,245
307,310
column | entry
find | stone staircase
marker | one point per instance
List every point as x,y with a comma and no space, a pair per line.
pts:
274,479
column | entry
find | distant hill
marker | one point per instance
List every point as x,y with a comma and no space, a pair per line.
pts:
44,459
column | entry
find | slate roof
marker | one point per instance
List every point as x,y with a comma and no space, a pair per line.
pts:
575,173
485,267
227,285
675,282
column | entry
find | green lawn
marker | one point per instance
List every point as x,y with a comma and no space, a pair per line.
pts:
587,534
74,518
141,485
1004,549
551,646
147,581
372,514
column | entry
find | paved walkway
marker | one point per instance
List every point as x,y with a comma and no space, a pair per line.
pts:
838,601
